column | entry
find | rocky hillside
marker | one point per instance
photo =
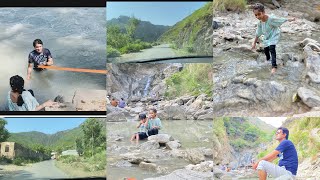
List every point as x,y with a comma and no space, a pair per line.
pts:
146,31
193,31
146,85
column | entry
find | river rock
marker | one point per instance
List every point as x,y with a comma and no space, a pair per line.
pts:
134,158
122,164
218,173
89,100
207,116
309,97
205,166
183,174
161,138
175,112
244,48
136,110
148,166
117,116
173,145
149,145
195,156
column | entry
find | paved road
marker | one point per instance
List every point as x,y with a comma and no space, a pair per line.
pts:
37,171
160,51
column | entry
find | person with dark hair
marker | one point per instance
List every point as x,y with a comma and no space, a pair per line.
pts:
288,159
142,134
39,56
122,103
268,28
114,102
154,123
20,99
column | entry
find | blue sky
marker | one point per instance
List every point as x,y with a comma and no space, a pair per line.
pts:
159,13
45,125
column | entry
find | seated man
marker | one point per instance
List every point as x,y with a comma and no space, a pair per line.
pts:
288,159
39,56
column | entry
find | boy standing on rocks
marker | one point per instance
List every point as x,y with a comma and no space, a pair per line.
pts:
269,27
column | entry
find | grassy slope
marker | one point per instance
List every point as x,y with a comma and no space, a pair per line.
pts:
189,26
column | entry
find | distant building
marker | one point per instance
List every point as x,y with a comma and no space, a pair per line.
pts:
13,150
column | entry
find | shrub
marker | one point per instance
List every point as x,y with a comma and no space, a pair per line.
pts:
111,52
230,5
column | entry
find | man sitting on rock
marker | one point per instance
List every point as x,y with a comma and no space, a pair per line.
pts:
154,123
288,163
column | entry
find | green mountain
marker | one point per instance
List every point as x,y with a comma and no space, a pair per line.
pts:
145,31
65,139
194,31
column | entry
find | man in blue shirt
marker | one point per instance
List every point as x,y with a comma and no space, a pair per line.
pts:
288,158
39,56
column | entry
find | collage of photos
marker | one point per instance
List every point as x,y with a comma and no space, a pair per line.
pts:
161,90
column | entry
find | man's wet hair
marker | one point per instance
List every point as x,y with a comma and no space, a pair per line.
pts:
284,131
258,6
37,41
17,83
153,110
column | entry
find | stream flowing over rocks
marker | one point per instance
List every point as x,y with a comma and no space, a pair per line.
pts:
143,87
243,84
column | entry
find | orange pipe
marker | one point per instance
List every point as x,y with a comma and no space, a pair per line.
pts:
74,69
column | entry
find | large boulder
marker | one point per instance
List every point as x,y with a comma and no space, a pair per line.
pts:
161,138
195,156
134,158
205,166
309,97
148,166
149,145
175,112
173,145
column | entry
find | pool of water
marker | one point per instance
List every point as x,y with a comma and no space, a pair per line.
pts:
75,37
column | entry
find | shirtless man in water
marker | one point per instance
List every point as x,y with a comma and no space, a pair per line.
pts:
39,56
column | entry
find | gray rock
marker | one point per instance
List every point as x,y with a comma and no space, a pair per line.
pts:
122,164
136,110
173,145
309,97
217,173
195,156
148,166
149,145
161,138
134,158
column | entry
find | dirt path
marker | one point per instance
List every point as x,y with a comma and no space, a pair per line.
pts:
37,171
160,51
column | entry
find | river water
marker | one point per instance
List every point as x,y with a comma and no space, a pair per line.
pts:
191,134
75,37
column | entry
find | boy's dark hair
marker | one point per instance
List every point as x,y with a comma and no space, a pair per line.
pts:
17,83
142,116
37,41
259,7
284,131
122,99
153,110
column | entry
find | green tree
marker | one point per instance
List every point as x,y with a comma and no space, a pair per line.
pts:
4,133
93,134
132,26
79,146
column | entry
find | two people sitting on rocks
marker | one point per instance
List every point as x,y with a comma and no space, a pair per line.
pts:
147,126
116,103
288,159
20,99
